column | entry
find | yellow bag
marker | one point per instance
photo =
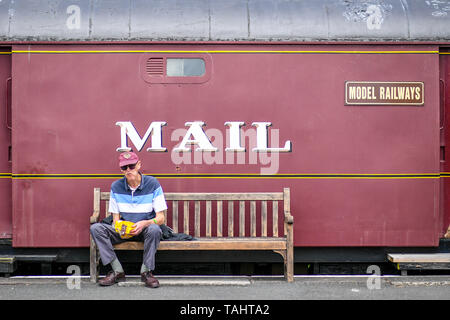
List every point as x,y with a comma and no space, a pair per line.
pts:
123,228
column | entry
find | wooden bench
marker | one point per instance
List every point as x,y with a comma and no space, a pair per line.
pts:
420,261
186,208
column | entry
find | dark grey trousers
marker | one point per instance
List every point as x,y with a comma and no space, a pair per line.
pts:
105,237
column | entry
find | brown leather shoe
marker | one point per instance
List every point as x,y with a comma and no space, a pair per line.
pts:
149,280
112,278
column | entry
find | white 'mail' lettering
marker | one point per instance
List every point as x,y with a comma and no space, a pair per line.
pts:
127,129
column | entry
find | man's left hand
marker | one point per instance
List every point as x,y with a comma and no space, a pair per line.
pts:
138,227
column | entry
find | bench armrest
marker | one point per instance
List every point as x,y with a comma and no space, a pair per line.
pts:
94,217
288,218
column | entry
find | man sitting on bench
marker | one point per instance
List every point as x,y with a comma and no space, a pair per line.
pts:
139,199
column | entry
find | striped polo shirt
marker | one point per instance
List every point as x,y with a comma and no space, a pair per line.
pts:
139,204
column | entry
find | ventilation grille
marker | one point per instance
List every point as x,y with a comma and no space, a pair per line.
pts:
155,66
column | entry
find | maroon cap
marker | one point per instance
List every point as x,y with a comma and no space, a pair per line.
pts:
127,158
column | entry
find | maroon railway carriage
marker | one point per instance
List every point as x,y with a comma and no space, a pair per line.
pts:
348,110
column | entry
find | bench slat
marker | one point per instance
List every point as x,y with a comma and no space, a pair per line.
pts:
104,195
175,216
215,196
275,218
186,217
224,196
197,218
253,218
219,219
241,218
212,244
264,218
208,218
230,218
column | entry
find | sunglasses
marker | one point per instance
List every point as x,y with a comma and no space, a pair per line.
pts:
131,166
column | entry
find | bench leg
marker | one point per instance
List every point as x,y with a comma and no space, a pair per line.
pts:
93,260
289,253
288,258
289,265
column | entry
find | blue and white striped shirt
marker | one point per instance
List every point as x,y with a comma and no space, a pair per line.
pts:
139,204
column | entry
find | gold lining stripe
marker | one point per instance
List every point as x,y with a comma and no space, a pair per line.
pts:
233,51
232,176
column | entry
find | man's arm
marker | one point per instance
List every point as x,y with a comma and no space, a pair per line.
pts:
159,219
116,217
113,208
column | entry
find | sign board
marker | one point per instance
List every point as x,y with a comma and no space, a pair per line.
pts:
384,93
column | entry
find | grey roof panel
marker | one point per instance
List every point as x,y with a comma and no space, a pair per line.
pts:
110,20
4,17
283,20
49,20
368,20
229,20
170,19
248,20
429,19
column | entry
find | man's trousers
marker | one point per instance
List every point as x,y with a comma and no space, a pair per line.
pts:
105,237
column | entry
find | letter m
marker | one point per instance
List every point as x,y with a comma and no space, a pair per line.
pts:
128,130
352,93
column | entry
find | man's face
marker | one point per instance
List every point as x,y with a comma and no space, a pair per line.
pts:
131,171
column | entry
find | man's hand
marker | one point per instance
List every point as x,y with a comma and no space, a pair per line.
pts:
139,226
